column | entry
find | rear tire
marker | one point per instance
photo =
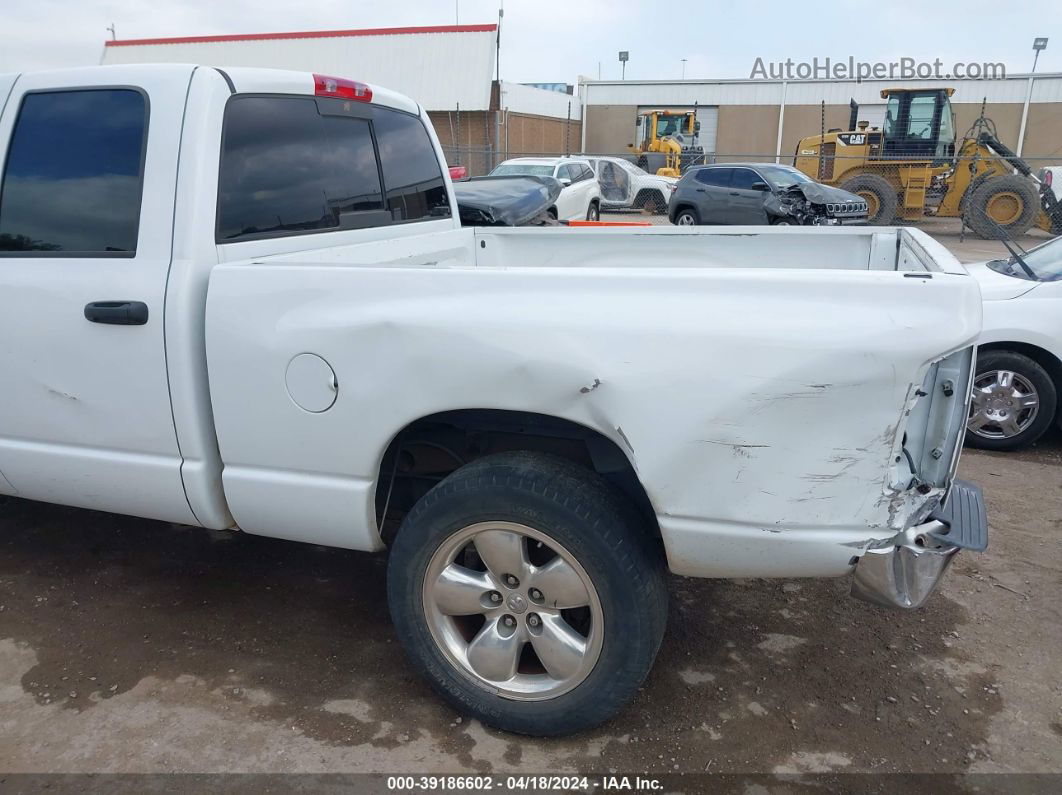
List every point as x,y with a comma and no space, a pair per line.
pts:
593,212
1010,200
784,222
998,419
561,508
880,195
687,216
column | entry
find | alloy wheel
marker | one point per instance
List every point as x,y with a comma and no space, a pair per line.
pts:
1003,405
513,610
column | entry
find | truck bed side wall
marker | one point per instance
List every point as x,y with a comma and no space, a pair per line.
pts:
753,403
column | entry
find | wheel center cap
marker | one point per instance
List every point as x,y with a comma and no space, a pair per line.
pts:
516,603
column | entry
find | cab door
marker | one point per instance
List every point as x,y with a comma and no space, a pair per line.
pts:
86,215
568,203
711,186
744,202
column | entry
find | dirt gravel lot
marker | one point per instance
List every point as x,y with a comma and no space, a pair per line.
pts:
136,646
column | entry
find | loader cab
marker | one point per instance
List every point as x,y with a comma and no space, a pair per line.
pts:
918,124
657,124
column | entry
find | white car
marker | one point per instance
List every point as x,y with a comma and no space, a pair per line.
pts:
624,186
1018,376
581,197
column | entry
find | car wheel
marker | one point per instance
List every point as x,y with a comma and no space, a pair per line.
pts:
784,222
687,217
593,212
524,588
1013,401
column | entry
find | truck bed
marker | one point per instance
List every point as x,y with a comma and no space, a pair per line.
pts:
850,248
815,343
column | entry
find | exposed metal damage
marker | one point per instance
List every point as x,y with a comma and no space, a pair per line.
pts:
814,204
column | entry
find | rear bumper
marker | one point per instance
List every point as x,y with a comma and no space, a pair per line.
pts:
904,570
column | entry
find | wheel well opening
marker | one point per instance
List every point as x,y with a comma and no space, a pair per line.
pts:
646,195
430,448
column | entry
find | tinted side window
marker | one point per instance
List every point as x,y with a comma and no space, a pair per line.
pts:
718,177
411,173
743,178
288,169
74,174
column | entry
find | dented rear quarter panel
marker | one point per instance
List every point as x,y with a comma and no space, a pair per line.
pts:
760,406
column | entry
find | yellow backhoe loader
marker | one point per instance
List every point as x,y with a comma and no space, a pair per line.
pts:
667,141
912,167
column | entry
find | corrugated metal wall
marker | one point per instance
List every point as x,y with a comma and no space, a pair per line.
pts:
519,98
1046,88
748,111
438,70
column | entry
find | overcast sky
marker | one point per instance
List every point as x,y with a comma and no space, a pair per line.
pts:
557,40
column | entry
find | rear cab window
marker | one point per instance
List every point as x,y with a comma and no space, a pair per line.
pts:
294,165
74,173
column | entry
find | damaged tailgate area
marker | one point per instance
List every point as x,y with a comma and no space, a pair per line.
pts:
935,515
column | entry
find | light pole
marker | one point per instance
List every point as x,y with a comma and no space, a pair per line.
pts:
683,68
624,56
1038,45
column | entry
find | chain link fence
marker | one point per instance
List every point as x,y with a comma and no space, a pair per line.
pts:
993,193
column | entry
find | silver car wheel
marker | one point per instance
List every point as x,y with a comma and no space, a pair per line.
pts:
685,219
513,610
1003,405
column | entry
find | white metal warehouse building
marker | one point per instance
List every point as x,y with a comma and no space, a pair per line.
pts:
742,119
448,69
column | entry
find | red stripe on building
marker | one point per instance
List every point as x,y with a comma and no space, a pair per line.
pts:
313,34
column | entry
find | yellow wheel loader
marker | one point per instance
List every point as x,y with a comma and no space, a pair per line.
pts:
667,142
912,167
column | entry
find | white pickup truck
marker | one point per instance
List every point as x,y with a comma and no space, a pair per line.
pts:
243,300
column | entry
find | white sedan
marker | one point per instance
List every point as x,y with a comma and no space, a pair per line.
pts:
580,199
624,186
1019,357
